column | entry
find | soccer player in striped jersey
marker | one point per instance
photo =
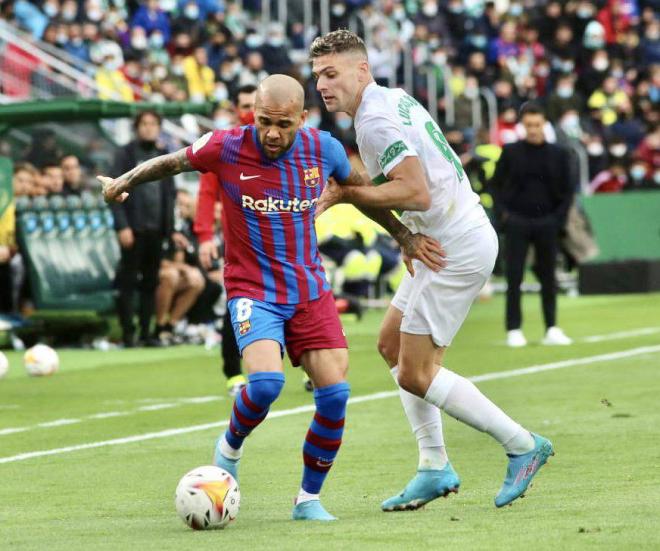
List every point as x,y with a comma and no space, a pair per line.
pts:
271,175
416,171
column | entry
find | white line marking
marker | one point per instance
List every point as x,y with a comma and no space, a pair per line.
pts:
309,408
156,407
12,430
623,334
109,414
59,423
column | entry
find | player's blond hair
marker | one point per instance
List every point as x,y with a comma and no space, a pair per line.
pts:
337,42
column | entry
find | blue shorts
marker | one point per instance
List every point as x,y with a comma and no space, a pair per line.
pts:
310,325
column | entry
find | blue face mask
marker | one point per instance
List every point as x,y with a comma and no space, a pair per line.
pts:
344,124
156,40
313,121
516,10
479,41
253,41
564,92
637,173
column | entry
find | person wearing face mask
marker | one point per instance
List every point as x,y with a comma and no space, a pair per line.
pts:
188,21
275,52
142,222
564,98
151,18
111,82
639,178
532,191
594,73
432,18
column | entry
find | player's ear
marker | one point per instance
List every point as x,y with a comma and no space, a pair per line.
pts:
303,118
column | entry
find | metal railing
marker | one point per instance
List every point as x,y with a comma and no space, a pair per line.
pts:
57,74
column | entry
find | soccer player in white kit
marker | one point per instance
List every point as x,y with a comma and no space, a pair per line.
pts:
416,172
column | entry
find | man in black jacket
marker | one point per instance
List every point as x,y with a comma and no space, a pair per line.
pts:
142,222
532,191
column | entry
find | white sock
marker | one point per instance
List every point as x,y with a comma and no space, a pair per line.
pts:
462,400
426,424
305,496
228,451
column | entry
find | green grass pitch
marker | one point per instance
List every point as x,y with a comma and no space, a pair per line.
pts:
601,490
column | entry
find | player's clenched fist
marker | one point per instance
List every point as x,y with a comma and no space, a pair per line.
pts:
113,189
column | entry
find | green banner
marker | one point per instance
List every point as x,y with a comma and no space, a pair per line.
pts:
626,225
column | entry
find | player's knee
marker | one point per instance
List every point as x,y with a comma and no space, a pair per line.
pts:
388,348
335,397
412,380
264,388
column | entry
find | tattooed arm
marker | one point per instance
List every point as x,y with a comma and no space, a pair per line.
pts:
116,189
413,245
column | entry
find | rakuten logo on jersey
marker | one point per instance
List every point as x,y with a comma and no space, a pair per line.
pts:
271,204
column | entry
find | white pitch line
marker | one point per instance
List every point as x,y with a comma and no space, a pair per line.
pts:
13,430
59,423
309,408
623,334
110,414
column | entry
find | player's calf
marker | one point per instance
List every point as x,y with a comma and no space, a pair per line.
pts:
250,409
322,444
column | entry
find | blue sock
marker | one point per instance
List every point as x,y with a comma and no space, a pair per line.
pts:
324,436
251,405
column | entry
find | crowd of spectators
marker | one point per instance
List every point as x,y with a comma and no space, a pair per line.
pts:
595,63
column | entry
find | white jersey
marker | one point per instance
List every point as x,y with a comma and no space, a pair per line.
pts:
391,125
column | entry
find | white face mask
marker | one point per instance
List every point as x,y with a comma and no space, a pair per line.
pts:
139,42
338,10
430,9
618,150
191,11
601,64
220,94
595,149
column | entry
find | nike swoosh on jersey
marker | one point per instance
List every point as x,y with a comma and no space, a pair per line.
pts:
244,177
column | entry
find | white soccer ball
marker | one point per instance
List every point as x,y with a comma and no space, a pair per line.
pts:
41,360
4,365
207,497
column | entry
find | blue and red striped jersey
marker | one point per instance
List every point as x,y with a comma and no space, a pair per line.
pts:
271,253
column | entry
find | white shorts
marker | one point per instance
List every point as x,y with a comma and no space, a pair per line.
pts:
437,303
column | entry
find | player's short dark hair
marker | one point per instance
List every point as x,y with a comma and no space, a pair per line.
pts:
142,114
246,89
337,42
531,108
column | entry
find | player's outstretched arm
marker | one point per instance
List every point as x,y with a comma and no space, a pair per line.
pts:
413,245
405,189
116,189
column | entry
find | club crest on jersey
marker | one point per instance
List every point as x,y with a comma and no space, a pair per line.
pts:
244,327
312,176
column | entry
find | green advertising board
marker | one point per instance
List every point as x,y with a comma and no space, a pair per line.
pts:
626,225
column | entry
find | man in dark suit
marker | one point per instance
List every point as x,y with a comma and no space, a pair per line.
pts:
142,223
532,190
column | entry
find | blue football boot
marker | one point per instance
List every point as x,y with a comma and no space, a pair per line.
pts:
311,510
521,470
426,486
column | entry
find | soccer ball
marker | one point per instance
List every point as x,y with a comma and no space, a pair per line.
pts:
41,360
207,497
4,365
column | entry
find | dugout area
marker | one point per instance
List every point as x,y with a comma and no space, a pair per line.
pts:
69,248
